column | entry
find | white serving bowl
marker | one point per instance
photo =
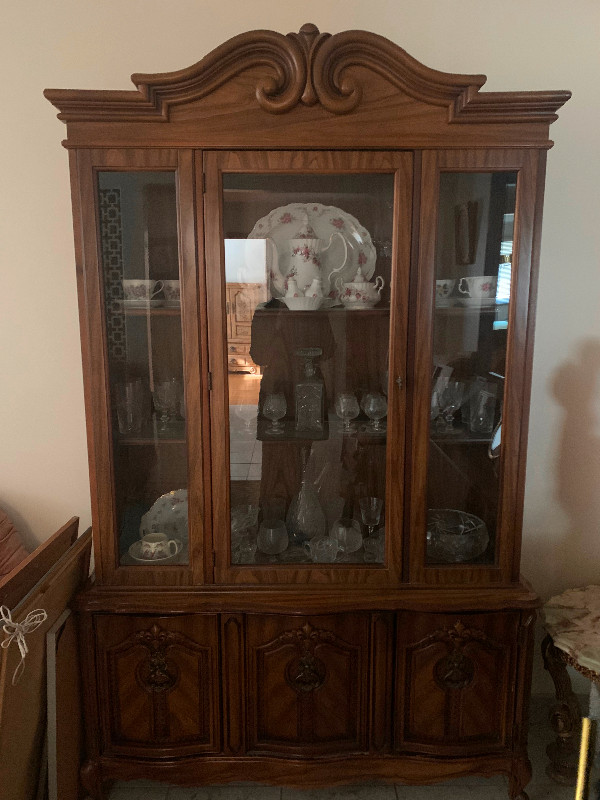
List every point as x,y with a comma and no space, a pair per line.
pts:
302,303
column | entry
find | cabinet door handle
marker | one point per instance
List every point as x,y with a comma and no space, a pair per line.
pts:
400,382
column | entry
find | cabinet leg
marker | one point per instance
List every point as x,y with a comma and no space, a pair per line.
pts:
565,718
91,778
519,778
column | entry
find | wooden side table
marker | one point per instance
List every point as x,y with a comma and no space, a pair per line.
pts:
572,624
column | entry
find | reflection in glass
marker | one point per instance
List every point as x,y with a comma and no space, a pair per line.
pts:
471,293
138,236
288,236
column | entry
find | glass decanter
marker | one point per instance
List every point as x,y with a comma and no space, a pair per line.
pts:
310,393
305,518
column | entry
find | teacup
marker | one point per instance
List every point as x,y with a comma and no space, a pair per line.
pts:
172,292
140,289
478,286
323,550
158,545
444,288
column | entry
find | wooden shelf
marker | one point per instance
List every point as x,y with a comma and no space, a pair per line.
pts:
151,435
332,430
378,311
159,311
459,311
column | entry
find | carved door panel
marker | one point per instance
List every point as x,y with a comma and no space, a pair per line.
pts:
307,683
159,678
455,679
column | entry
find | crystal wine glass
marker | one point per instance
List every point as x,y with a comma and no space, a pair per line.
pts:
375,407
370,511
274,408
347,408
450,399
166,398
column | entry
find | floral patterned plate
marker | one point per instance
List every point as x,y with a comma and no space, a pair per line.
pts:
287,222
169,515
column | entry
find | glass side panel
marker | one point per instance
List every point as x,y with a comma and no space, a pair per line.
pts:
138,239
307,272
472,298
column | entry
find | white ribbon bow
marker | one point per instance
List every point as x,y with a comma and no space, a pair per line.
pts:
15,631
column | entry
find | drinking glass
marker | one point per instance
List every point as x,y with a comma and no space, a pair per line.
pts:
167,396
272,537
274,408
130,406
374,549
370,511
347,534
451,399
347,409
375,407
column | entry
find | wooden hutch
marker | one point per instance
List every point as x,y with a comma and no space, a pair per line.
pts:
272,643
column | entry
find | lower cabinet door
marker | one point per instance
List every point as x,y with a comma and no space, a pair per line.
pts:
307,683
158,679
455,682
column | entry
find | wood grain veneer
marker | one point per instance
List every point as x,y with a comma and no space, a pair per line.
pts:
303,675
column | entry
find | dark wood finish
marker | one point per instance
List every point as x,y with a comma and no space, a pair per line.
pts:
323,676
306,693
160,677
455,674
234,682
565,718
21,580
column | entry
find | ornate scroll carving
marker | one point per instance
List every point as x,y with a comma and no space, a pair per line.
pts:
456,670
307,68
306,672
156,673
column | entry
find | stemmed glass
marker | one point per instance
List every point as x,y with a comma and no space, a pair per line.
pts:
274,408
347,408
166,396
370,511
375,407
450,400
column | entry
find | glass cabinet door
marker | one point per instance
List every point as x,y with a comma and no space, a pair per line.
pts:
472,322
472,303
138,237
305,280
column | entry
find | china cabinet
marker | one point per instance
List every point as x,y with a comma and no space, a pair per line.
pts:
307,571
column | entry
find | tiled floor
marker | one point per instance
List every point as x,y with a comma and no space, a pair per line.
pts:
245,451
540,788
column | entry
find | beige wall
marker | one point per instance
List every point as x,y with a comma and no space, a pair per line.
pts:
519,44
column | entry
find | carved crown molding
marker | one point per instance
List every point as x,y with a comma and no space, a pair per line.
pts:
307,68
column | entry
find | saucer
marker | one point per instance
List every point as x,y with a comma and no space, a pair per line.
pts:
135,551
156,303
482,302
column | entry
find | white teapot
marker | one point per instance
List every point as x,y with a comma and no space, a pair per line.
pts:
304,263
360,293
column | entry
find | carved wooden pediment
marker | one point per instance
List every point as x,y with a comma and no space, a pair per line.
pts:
308,68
